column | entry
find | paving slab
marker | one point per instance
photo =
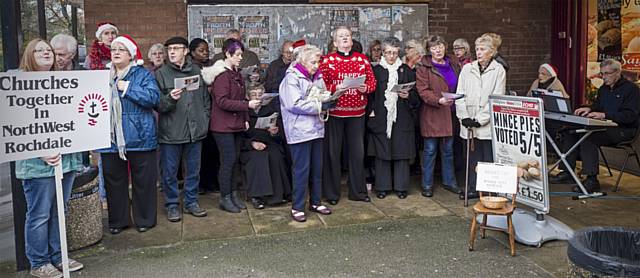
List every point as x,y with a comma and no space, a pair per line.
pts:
348,212
278,220
413,206
217,224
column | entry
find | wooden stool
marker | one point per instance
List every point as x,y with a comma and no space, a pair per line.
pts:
507,211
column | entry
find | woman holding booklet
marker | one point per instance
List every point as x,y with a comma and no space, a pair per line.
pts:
391,122
436,77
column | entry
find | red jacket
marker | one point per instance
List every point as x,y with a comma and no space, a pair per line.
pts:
229,105
334,67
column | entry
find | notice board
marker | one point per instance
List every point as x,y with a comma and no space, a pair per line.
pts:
265,27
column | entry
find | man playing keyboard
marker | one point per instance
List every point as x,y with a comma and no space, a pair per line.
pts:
618,100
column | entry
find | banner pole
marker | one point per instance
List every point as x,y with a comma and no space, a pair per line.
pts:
62,227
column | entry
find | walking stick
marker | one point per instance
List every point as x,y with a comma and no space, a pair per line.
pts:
466,178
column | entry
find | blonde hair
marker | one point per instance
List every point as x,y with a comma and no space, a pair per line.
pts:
306,52
488,42
28,61
497,39
415,44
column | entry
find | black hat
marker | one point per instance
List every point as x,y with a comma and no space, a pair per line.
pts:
177,40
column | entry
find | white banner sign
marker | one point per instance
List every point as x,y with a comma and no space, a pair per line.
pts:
518,140
44,113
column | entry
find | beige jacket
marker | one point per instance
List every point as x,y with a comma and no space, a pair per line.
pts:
477,88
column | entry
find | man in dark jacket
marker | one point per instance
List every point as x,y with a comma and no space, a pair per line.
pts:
183,123
619,101
278,67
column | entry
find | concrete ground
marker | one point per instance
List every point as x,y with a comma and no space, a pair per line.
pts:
415,237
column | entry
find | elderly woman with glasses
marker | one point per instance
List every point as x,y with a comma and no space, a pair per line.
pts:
42,238
375,52
391,122
413,53
477,81
156,55
134,95
462,51
437,74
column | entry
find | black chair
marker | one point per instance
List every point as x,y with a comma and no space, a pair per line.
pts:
629,150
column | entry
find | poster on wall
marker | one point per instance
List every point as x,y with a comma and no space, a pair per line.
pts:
346,17
214,29
609,31
631,36
518,139
255,32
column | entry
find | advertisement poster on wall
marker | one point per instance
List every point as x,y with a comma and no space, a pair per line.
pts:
215,28
631,36
255,32
346,17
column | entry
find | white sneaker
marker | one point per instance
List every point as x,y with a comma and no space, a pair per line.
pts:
46,271
73,265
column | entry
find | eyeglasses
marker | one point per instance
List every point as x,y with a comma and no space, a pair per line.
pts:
119,50
608,73
458,48
376,49
437,47
175,48
391,53
42,50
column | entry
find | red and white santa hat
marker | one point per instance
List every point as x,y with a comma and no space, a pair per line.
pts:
132,46
297,44
550,68
102,26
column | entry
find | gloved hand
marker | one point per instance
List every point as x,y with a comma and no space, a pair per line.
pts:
469,123
328,105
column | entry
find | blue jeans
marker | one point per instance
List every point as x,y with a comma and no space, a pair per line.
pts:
307,160
429,157
170,158
101,191
41,233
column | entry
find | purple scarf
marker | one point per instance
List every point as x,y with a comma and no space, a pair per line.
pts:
305,72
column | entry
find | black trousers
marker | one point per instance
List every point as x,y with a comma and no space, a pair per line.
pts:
588,149
392,174
352,130
144,176
482,152
229,146
209,164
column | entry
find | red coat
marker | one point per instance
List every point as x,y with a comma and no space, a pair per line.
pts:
435,119
229,105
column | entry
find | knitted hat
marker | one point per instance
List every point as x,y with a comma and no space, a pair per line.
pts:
132,46
551,69
177,40
102,26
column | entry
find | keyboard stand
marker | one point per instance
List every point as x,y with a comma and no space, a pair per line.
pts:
563,159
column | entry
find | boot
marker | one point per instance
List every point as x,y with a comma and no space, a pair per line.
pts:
227,205
236,200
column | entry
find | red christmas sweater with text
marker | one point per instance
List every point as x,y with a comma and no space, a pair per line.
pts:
334,68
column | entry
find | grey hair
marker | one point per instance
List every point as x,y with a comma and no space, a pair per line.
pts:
614,64
65,40
435,40
415,44
341,27
306,52
461,42
157,46
390,42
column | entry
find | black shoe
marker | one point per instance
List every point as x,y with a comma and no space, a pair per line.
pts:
227,205
257,203
454,188
237,201
427,193
115,231
472,195
143,229
173,214
332,202
591,184
562,178
402,194
196,210
381,194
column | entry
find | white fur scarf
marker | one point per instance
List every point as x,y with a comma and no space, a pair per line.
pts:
391,98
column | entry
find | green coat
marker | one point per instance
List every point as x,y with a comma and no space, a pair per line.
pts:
185,120
36,168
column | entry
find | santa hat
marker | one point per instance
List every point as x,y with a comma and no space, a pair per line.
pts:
132,46
551,69
102,26
297,44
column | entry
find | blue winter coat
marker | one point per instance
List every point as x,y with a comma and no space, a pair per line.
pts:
299,114
138,121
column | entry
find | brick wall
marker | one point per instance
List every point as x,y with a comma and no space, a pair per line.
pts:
147,21
525,26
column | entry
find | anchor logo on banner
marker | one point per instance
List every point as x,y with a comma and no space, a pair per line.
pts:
92,104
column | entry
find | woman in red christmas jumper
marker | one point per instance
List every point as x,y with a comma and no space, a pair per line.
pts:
346,119
100,53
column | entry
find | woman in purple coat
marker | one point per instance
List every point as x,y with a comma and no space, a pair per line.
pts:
304,129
